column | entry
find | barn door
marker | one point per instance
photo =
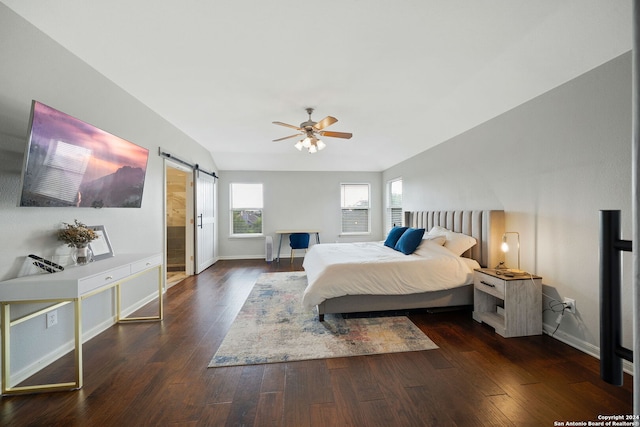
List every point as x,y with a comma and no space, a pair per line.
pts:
205,221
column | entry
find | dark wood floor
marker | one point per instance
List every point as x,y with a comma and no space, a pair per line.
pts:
156,374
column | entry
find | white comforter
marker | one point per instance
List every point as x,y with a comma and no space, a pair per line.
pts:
370,268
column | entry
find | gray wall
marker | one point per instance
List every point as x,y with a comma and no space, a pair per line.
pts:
296,200
551,164
35,67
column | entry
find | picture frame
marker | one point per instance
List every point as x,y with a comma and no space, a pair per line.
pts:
100,247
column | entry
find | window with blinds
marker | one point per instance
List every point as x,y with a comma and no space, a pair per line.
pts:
394,203
246,209
355,208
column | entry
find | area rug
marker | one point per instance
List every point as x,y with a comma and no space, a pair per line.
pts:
273,327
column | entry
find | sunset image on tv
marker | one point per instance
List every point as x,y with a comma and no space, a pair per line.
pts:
71,163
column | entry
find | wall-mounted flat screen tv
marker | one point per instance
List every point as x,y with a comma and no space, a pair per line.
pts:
70,163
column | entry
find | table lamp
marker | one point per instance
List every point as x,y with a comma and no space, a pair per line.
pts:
505,249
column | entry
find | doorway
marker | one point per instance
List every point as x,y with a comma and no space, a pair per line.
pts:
179,222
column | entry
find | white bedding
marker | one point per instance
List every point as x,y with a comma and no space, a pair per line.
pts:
370,268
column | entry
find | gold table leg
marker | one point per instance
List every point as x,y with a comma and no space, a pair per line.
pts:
5,312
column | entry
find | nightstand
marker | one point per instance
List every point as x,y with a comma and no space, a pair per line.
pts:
511,305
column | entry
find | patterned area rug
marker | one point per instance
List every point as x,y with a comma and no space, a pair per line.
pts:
272,327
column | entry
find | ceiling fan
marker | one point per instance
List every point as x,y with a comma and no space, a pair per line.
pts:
310,131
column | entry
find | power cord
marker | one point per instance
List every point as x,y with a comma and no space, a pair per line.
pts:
554,308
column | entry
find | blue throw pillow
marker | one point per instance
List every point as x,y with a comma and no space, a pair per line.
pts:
394,235
409,240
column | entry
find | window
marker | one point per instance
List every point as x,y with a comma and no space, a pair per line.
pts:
246,209
394,203
355,208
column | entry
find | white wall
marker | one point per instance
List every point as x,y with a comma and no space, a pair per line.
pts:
551,164
296,200
35,67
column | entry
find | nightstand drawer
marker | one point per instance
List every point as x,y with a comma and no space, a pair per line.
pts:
490,285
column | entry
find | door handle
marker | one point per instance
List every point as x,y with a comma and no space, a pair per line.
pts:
200,218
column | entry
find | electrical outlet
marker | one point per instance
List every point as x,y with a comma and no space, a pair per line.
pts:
570,304
52,318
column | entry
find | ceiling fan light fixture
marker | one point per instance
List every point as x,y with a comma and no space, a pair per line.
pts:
309,131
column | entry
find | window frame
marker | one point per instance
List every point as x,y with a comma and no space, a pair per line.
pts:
232,209
388,205
342,209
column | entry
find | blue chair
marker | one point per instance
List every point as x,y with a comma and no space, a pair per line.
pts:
298,241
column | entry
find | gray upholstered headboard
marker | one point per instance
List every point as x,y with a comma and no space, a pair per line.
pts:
486,226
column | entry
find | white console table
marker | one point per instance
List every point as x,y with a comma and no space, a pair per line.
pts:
70,286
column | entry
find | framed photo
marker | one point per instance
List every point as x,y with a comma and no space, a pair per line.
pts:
101,247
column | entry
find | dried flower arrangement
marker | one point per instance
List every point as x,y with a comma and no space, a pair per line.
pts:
77,234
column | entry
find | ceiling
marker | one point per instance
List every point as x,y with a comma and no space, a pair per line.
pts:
401,75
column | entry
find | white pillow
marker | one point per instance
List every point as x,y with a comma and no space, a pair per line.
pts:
457,243
428,241
438,240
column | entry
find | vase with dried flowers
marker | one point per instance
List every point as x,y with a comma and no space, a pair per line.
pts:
78,236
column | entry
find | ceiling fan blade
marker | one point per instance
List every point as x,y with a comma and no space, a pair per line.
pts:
330,134
287,125
287,137
327,121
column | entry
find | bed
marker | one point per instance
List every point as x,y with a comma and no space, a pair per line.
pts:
368,277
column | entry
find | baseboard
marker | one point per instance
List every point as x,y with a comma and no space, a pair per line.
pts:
236,257
49,358
581,345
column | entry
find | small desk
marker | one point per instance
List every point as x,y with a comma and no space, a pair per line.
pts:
70,286
283,232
